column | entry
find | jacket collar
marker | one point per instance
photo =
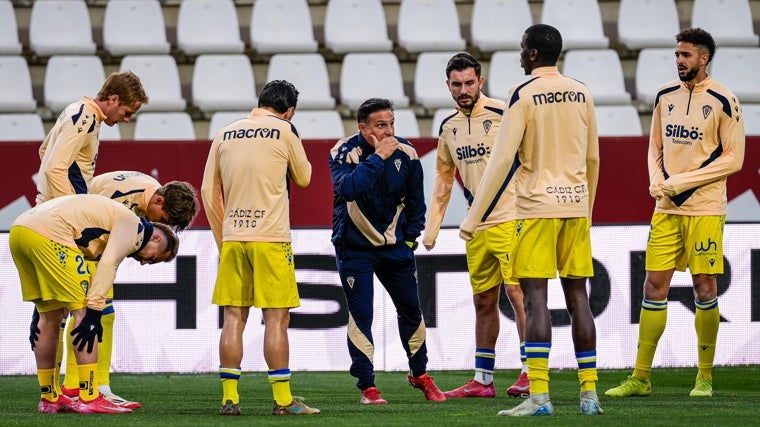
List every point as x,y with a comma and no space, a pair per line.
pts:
699,87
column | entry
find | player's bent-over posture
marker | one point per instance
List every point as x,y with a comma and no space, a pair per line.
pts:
174,204
51,244
67,165
245,195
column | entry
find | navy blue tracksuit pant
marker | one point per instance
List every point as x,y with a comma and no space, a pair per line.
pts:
395,268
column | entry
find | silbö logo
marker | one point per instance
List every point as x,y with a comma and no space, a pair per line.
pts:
469,152
682,135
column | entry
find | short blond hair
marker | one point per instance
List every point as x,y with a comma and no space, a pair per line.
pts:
126,85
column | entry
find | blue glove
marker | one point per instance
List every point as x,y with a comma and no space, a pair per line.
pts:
34,330
88,330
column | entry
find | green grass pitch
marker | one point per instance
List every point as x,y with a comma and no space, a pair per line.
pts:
193,400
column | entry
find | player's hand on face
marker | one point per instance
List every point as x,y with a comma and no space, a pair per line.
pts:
386,146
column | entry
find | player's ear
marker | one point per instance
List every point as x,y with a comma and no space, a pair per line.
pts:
159,200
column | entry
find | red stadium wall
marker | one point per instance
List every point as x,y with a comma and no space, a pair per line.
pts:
622,197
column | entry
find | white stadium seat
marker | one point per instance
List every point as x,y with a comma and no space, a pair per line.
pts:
119,35
438,117
429,25
654,68
606,87
208,26
347,28
736,67
223,82
371,75
405,123
69,77
618,120
579,22
221,119
313,86
751,119
60,27
21,127
9,44
282,26
110,133
647,23
499,24
430,88
503,73
15,85
160,78
164,126
728,21
315,124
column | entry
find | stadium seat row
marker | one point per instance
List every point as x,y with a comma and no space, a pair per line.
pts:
226,81
281,26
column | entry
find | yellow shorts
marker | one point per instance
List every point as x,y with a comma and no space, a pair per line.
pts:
53,276
92,266
259,274
488,257
545,246
679,241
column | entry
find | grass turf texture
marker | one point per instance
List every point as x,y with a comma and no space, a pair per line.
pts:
194,400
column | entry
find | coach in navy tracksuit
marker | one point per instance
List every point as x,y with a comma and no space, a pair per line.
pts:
378,213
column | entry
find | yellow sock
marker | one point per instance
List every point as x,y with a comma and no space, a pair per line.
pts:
71,379
538,366
230,378
88,384
105,348
59,354
654,317
587,374
706,322
46,380
280,380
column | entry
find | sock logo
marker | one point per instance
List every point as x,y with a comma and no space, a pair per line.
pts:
703,347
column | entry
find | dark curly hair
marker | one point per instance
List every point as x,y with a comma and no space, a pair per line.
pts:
699,38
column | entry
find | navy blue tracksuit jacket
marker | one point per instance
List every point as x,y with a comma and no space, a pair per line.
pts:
378,205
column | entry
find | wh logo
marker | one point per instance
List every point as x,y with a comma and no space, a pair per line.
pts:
711,246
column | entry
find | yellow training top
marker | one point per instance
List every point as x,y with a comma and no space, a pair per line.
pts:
245,183
465,143
131,189
551,126
697,140
69,151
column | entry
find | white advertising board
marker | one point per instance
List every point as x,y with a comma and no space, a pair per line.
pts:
165,321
